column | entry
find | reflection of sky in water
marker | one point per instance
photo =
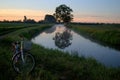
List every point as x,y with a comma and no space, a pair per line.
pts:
83,46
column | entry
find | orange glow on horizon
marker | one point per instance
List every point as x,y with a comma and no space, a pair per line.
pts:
16,14
13,14
96,20
15,18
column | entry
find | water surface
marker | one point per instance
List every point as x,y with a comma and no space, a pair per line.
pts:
59,37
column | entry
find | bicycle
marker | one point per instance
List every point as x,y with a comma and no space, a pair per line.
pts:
22,60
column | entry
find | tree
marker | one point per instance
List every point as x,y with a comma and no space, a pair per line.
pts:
63,13
25,19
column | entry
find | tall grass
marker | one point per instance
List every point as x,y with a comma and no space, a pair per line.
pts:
109,34
6,70
53,64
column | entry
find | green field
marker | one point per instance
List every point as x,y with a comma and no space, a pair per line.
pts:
51,64
107,34
6,28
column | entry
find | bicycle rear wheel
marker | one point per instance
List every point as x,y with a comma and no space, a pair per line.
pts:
26,66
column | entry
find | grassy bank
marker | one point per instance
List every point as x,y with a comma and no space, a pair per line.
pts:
10,27
108,34
52,64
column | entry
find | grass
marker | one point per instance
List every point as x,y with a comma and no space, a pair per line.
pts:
52,64
108,34
6,28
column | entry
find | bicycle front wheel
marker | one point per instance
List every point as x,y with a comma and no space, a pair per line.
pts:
25,66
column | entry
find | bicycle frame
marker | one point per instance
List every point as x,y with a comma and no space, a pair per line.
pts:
20,51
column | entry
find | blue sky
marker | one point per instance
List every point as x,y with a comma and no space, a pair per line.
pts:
84,10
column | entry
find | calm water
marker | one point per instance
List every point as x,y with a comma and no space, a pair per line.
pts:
59,37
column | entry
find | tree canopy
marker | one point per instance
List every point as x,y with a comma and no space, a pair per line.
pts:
63,13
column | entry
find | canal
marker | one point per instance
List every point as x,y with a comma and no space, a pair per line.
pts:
61,38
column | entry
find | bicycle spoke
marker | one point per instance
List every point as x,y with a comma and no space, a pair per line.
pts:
26,66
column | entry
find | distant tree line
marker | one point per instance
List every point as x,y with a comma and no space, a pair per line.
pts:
25,20
80,23
7,21
47,19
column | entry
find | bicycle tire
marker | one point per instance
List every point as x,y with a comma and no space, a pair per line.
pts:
21,67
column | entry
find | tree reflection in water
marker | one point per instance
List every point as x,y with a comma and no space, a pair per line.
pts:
63,40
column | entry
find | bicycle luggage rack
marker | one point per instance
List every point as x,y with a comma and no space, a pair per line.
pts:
27,45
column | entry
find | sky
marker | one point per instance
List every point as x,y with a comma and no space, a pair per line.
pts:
102,11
